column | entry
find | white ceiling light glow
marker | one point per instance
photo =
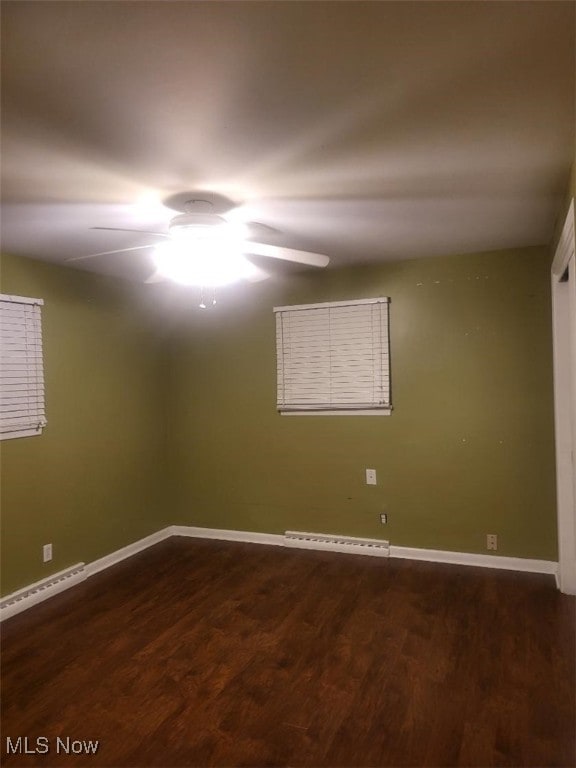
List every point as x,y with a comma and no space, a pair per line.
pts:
207,259
201,247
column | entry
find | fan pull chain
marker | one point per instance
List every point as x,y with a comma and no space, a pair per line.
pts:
202,304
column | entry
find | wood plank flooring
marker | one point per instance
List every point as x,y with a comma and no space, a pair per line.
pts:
203,653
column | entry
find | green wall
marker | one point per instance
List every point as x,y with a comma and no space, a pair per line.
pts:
469,447
160,413
93,481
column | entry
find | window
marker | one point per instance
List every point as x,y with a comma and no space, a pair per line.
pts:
334,358
21,368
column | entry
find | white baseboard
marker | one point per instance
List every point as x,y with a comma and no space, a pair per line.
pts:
408,553
38,592
481,561
279,540
250,537
131,549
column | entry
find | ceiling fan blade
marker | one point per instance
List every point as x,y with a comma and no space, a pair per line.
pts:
106,253
287,254
141,231
256,229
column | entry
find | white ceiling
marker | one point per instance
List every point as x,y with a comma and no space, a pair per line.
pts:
367,131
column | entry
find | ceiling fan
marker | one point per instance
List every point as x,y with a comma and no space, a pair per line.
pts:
204,247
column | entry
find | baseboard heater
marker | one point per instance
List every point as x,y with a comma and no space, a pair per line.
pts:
41,590
330,543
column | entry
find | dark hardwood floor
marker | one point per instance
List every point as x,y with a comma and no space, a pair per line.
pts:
202,653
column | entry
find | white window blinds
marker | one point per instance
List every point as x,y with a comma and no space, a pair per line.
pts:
21,369
333,356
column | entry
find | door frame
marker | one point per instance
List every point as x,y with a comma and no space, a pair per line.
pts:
564,351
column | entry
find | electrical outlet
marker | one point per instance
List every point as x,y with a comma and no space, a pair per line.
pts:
383,518
370,477
47,552
491,541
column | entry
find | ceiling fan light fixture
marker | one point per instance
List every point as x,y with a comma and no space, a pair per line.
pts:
204,262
